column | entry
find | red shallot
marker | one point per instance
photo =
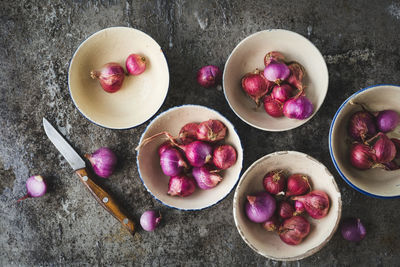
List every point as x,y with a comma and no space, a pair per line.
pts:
387,120
316,203
299,108
209,76
362,156
276,72
150,220
172,162
272,224
285,210
103,161
110,76
385,150
297,184
255,85
273,107
35,186
294,230
282,92
260,207
297,73
224,157
274,182
205,177
211,131
361,126
353,230
135,64
181,185
273,56
188,132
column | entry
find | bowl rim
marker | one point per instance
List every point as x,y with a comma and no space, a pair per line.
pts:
138,165
310,251
288,32
69,79
331,148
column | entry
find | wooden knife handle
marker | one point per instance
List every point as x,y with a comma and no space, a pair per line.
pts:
105,200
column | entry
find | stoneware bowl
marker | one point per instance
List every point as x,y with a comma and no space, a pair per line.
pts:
375,182
267,243
148,160
249,55
140,96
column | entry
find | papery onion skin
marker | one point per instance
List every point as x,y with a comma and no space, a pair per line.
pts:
205,178
353,230
188,132
260,207
172,162
385,150
273,107
36,187
211,131
285,210
103,161
209,76
297,184
198,153
255,85
297,73
361,126
110,76
150,220
181,185
294,230
274,182
282,92
224,157
396,142
387,120
135,64
299,108
273,56
316,203
272,224
276,72
362,156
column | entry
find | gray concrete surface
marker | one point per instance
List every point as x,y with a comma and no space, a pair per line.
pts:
359,40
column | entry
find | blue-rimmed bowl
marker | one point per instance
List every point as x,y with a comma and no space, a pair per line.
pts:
148,161
374,182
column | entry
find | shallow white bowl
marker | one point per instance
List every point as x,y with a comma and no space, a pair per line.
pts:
267,243
375,182
249,55
140,96
148,161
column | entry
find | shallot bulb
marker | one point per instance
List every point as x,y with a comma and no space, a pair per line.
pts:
164,146
361,126
188,132
285,210
35,186
198,153
260,207
135,64
110,76
299,208
282,92
385,150
211,131
353,230
276,72
396,142
297,184
181,185
205,178
387,120
294,230
362,156
274,182
273,56
103,161
224,157
256,86
273,107
299,108
297,73
150,220
172,162
209,76
316,203
272,224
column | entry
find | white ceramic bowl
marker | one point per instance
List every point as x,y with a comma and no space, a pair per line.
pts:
148,161
375,182
249,55
267,243
140,96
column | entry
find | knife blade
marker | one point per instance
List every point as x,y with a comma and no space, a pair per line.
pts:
79,166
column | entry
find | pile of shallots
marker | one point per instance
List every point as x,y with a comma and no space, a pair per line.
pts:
280,87
196,156
278,209
372,148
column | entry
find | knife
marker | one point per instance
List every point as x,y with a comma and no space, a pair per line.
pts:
79,166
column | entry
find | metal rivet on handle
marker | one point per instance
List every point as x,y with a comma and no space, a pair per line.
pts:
105,199
125,221
85,178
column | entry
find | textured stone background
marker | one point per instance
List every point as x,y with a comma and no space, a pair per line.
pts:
359,40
